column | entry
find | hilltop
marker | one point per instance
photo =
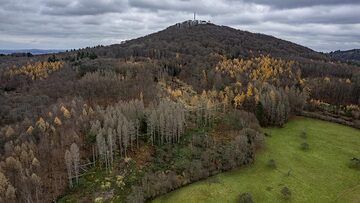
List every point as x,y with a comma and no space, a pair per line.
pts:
205,38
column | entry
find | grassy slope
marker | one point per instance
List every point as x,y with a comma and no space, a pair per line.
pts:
318,175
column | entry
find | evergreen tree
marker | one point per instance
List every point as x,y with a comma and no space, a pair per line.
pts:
260,114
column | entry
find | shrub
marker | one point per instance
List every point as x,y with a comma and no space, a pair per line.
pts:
259,140
245,198
304,146
136,196
303,134
286,193
355,163
99,200
271,164
90,138
238,120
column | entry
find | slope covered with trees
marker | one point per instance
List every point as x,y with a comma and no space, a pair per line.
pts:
350,56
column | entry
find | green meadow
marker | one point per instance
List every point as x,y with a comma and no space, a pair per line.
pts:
319,174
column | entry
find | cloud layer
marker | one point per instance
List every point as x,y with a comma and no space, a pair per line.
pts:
322,25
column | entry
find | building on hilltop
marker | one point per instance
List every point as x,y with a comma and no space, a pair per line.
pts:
190,23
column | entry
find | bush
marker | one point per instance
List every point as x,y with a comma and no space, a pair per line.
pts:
304,146
259,140
90,138
136,196
286,193
303,134
238,120
271,164
245,198
355,163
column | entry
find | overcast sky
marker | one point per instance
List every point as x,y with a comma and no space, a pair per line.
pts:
322,25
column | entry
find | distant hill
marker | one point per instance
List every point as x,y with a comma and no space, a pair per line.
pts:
347,56
32,51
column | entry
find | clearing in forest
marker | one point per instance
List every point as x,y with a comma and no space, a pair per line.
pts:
317,171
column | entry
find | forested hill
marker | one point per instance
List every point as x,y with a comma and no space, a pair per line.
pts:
203,39
189,51
347,56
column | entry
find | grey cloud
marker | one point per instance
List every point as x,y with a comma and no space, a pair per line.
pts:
341,14
321,25
83,7
300,3
199,6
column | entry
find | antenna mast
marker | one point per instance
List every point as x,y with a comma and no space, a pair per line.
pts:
194,16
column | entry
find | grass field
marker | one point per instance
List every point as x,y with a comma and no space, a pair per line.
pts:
320,174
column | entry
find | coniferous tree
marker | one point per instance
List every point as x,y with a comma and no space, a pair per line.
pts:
260,115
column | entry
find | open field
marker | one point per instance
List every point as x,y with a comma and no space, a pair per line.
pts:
320,174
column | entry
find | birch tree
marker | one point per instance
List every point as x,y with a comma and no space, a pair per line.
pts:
75,155
68,162
111,146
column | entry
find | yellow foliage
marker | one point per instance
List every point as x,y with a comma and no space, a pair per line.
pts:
249,92
57,121
176,93
39,70
29,130
9,132
238,83
66,112
41,124
239,100
262,68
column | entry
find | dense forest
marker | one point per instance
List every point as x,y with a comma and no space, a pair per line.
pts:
349,56
157,112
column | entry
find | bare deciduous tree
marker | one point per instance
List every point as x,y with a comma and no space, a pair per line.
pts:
68,162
